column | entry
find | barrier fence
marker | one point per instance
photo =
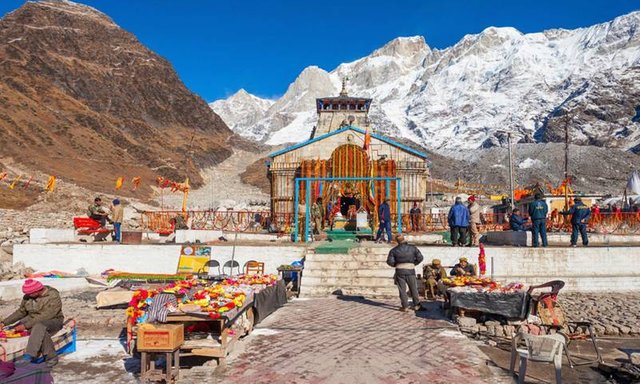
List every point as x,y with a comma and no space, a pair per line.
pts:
259,221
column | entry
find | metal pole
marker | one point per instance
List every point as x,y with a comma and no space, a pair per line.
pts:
295,210
306,208
566,165
510,170
398,209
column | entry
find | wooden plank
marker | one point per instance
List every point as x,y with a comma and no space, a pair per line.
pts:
209,352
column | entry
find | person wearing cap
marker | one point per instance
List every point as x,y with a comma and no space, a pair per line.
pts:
474,220
458,219
433,273
538,211
516,221
404,257
384,216
463,268
98,212
580,213
40,312
117,215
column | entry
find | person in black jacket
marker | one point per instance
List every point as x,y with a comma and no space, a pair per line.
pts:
404,258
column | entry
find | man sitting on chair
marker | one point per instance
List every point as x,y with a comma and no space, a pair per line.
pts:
463,268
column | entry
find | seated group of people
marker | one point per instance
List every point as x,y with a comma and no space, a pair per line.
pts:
434,273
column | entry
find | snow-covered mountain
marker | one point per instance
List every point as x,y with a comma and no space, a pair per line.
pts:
467,95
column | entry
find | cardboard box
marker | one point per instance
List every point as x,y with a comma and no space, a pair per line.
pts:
160,337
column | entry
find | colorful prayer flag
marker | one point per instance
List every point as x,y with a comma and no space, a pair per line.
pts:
119,182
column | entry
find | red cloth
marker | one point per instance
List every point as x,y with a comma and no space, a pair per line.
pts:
31,286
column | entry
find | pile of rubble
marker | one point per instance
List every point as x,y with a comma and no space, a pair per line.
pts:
611,314
10,271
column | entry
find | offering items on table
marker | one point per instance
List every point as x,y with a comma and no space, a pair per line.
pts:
192,296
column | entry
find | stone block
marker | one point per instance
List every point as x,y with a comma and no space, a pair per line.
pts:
610,330
466,321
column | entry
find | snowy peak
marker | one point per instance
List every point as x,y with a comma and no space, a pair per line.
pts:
242,110
499,79
403,47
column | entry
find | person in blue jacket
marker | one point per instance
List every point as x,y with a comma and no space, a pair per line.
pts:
516,221
580,213
384,216
538,213
458,223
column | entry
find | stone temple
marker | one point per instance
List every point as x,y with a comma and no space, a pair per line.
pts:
347,163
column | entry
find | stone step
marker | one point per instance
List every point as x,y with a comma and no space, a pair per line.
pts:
311,265
356,281
369,291
338,272
346,257
380,250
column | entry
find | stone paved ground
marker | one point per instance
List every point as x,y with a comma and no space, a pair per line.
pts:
343,340
331,340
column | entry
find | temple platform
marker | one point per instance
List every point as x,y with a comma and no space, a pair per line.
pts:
361,268
524,239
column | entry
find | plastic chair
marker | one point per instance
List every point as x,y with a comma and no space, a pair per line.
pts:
231,264
210,264
547,348
253,267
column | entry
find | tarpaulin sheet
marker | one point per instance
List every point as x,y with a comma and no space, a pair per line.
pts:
510,305
269,299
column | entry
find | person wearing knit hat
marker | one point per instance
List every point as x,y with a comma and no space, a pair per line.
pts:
40,312
463,268
117,215
433,273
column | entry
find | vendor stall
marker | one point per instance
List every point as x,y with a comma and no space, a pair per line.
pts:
486,296
214,314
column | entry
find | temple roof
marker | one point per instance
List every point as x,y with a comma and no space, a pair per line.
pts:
355,129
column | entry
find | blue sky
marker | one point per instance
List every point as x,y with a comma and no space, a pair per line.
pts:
218,47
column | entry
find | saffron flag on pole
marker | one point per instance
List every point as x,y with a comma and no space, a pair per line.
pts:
136,182
3,175
367,139
119,182
15,181
51,184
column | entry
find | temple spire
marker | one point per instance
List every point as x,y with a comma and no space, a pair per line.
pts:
343,92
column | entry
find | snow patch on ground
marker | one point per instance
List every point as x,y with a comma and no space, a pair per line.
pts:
264,332
90,349
530,163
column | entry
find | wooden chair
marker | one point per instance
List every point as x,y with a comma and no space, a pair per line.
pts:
253,267
546,307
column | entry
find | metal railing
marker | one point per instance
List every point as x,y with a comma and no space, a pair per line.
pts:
258,221
226,220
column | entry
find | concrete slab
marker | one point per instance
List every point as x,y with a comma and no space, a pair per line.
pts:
142,258
192,235
524,239
51,235
12,289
